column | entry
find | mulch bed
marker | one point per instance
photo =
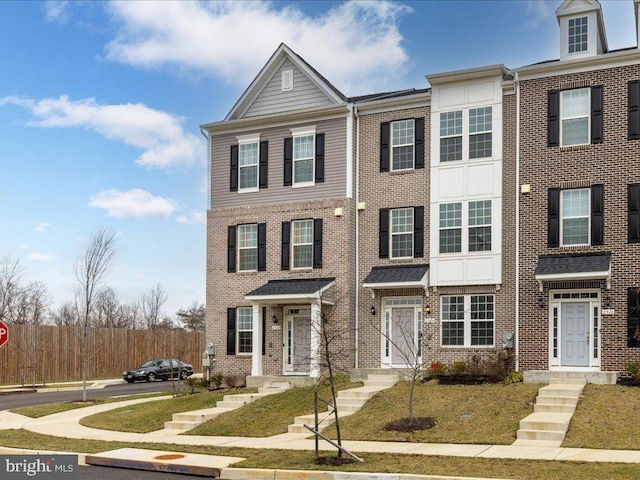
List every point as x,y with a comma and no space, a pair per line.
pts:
466,379
334,461
408,425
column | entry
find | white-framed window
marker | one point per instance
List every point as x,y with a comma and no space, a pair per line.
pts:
575,116
244,328
248,166
248,248
480,226
467,320
402,144
575,217
303,159
465,227
480,132
450,227
578,34
402,232
451,136
466,134
302,243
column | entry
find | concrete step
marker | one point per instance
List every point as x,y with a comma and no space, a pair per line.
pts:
181,425
386,381
567,381
541,435
554,407
561,391
553,422
557,400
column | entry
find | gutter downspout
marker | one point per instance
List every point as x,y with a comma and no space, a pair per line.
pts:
357,249
517,249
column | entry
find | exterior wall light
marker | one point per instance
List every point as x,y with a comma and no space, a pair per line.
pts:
275,320
373,310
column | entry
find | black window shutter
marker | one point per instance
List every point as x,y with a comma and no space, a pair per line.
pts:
264,330
553,218
264,164
288,161
231,249
633,317
633,212
385,140
383,234
231,331
418,232
419,142
320,158
317,243
233,173
633,110
597,210
553,118
262,247
286,240
596,114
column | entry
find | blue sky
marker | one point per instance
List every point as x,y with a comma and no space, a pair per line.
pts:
101,102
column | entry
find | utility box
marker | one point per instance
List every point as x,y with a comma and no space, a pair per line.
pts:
507,340
210,349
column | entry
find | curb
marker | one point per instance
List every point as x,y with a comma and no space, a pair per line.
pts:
268,474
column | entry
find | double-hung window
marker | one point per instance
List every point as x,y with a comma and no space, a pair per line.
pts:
467,320
303,155
302,243
451,136
480,226
575,116
480,135
244,325
575,211
402,144
578,34
248,166
248,247
450,227
402,233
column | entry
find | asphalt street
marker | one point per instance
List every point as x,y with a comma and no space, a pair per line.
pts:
26,399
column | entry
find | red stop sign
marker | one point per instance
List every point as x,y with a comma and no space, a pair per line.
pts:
4,333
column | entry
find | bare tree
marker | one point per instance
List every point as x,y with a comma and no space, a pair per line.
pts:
151,307
90,271
193,318
11,274
65,315
110,313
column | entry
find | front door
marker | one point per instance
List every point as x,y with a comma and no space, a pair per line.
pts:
403,344
574,330
298,342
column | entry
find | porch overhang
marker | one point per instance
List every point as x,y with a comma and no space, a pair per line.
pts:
292,291
571,267
398,276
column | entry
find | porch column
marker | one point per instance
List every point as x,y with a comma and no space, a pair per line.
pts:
256,342
316,325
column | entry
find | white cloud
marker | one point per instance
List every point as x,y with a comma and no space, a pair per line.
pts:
195,218
57,11
539,12
356,43
159,134
39,257
134,203
42,227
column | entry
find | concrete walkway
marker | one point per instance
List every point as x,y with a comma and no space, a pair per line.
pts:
66,424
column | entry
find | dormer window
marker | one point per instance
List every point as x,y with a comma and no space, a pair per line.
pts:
578,35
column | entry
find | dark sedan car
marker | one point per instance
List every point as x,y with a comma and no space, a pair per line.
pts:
158,369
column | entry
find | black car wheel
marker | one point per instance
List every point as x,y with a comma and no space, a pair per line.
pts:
151,377
184,374
129,381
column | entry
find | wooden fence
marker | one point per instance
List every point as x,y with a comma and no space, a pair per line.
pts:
45,354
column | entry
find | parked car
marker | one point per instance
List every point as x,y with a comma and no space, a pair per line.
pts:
158,369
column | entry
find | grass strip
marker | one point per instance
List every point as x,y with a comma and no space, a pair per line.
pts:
383,463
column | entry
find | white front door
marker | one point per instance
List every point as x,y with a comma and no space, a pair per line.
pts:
574,331
401,331
297,345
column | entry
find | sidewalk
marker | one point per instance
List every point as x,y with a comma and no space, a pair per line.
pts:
58,386
66,424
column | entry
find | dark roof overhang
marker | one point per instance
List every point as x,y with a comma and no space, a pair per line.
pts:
573,266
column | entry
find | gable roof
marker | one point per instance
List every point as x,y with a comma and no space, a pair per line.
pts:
282,53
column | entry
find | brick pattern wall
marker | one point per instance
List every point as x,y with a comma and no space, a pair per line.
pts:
229,289
613,163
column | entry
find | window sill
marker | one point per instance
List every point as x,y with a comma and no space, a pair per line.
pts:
247,272
476,347
248,190
303,185
404,171
572,148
